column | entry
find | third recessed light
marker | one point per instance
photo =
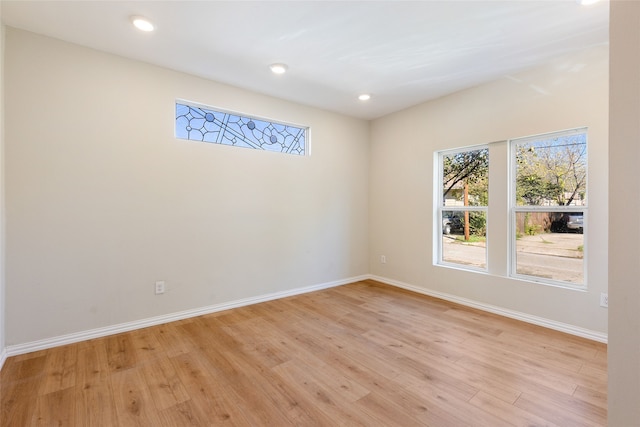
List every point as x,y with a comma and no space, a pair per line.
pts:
279,68
142,23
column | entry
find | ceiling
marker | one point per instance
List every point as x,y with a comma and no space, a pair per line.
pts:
401,52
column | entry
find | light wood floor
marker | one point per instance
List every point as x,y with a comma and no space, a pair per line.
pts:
361,354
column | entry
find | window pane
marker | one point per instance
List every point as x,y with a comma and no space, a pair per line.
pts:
465,173
201,124
463,248
550,245
552,171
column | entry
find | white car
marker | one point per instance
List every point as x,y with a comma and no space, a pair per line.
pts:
451,222
575,223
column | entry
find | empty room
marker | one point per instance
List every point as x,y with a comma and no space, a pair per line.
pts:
320,213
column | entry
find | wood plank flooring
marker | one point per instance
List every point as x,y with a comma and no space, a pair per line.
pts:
363,354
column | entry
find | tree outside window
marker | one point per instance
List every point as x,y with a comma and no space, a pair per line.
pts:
463,211
549,204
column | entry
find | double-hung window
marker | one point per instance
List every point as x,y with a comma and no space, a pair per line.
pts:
463,198
549,207
543,224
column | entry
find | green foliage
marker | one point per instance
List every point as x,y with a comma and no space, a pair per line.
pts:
477,223
532,229
534,189
552,171
467,167
472,239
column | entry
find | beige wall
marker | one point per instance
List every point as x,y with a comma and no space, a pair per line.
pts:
624,254
102,200
569,93
2,209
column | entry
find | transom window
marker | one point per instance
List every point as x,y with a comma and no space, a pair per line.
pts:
197,123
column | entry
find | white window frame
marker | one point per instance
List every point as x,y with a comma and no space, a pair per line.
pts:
514,209
439,208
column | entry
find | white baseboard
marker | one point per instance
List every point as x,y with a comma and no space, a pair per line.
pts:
3,357
540,321
14,350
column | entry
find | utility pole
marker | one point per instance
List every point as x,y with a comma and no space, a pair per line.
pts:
466,212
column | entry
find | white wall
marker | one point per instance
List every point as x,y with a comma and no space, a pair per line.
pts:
624,254
2,232
571,92
102,200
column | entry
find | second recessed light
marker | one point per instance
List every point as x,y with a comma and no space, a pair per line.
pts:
142,23
364,97
279,68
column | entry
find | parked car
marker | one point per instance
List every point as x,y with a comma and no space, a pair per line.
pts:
451,222
574,223
570,222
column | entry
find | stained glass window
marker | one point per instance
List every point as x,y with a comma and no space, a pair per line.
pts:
218,127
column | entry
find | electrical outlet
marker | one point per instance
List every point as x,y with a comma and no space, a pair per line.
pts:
159,287
604,300
383,259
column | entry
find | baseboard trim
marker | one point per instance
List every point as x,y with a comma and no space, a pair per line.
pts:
540,321
14,350
3,357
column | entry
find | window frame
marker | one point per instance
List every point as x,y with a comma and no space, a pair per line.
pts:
440,208
514,209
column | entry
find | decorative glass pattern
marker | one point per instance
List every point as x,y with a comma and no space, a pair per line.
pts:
200,124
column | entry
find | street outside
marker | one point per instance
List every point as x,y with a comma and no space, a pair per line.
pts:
554,256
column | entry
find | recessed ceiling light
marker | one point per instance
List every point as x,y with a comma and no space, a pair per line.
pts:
279,68
587,2
142,23
364,97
